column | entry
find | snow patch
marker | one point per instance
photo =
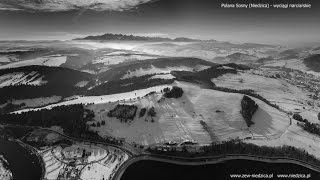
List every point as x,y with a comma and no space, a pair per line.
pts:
155,70
22,78
82,83
4,59
163,76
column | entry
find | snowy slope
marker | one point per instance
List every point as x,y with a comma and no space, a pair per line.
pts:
102,99
277,91
154,70
22,78
179,119
294,136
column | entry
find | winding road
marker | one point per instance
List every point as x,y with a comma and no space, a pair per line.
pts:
135,156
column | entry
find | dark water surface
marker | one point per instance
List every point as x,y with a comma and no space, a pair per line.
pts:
22,164
154,170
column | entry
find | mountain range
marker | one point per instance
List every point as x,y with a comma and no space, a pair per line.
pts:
123,37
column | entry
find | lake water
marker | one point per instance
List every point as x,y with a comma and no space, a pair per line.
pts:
22,164
154,170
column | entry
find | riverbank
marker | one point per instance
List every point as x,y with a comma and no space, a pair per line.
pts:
5,173
28,147
34,151
24,161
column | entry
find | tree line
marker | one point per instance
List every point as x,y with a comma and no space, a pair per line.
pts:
238,147
72,119
127,85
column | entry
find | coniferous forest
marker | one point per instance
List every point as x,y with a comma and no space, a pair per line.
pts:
72,119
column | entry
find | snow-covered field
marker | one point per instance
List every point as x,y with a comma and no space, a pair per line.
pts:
53,60
21,78
311,115
179,119
280,92
289,98
82,161
294,136
106,168
4,59
52,165
162,76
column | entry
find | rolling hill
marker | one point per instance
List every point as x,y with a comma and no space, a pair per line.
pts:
40,81
153,66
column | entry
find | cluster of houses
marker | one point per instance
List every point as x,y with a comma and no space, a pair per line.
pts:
187,145
307,82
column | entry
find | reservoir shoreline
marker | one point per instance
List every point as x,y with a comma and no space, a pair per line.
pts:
210,161
30,150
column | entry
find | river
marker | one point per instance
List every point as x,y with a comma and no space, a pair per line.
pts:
22,163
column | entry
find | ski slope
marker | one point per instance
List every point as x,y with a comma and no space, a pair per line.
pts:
21,78
179,119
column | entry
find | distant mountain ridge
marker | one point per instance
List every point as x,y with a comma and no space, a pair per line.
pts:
123,37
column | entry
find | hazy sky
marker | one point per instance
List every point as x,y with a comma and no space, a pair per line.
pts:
67,19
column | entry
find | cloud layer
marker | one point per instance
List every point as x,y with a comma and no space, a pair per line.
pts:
68,5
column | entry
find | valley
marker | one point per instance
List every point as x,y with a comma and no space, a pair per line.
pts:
93,104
